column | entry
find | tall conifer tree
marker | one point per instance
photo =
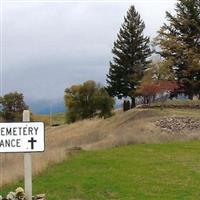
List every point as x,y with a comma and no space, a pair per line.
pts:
179,40
131,50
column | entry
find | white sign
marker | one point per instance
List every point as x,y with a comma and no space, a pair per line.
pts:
22,137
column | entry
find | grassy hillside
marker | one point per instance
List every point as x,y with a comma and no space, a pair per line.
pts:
140,172
133,127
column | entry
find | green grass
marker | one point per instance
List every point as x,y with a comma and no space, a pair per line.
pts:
179,111
58,118
141,172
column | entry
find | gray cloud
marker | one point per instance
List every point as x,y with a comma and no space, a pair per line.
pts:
48,47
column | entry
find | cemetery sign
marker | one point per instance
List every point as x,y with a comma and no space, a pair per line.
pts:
22,137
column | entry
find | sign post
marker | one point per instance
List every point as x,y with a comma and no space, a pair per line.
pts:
27,164
23,137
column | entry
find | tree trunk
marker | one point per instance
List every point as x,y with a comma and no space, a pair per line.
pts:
162,106
124,106
190,96
145,100
153,98
133,102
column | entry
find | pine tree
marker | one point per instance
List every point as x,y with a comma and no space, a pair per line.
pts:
131,50
180,45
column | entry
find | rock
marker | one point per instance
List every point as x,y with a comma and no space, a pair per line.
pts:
75,148
11,196
177,123
20,194
40,197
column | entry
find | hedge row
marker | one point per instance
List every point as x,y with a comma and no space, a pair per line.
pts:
190,104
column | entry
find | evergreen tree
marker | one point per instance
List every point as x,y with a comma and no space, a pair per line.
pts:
131,50
180,45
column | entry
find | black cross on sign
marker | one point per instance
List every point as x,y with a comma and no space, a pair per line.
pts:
32,142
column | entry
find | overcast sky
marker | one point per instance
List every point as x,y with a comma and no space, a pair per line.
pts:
50,46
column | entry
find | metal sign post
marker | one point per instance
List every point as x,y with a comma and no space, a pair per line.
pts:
27,164
23,137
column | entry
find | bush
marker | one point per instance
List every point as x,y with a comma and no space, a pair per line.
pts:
86,101
193,104
12,106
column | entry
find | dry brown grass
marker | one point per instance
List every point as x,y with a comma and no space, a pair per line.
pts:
134,126
41,118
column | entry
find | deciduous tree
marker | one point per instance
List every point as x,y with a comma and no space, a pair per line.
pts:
86,101
159,88
12,106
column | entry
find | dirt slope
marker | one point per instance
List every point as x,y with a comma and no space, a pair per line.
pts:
134,126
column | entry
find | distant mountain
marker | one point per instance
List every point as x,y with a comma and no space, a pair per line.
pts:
45,107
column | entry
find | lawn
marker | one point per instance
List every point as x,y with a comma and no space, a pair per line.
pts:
150,171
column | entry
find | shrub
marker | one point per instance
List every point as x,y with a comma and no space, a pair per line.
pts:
86,101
